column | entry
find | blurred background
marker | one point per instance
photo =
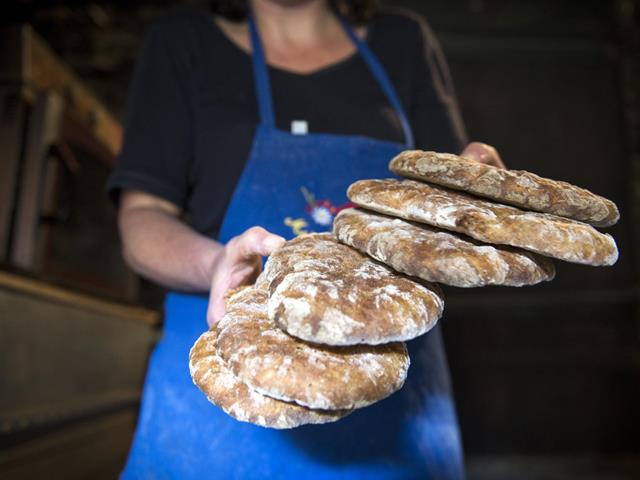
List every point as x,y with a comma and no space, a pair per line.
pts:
547,379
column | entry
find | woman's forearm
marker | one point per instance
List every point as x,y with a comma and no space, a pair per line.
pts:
159,246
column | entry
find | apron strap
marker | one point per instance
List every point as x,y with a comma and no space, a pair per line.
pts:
261,77
263,87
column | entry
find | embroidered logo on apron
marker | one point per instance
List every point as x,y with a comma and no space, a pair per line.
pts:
320,212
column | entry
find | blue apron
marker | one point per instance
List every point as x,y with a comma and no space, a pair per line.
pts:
294,184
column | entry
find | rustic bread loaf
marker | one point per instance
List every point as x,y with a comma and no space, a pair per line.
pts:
285,368
324,292
437,255
486,221
515,187
222,388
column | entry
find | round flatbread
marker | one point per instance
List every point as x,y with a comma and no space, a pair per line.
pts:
222,388
515,187
324,292
437,255
485,221
283,367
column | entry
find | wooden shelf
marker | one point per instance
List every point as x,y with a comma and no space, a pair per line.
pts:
56,294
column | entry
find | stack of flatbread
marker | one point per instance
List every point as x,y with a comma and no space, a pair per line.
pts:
257,373
321,332
459,222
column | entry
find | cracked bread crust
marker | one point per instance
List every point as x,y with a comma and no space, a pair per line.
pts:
319,377
324,292
486,221
222,388
515,187
437,255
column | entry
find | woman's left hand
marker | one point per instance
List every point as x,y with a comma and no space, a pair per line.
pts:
483,153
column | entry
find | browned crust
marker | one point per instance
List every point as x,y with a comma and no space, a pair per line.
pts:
515,187
325,292
485,221
222,388
283,367
437,255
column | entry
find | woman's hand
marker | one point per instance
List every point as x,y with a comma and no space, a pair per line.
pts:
238,263
483,153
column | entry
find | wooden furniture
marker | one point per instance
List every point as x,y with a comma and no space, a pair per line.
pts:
30,65
59,143
72,363
71,366
28,70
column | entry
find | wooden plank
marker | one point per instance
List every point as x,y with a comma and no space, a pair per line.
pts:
94,449
55,294
77,133
45,71
20,418
27,60
12,116
42,131
11,55
60,363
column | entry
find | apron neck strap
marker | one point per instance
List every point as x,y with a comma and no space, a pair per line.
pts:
261,77
263,87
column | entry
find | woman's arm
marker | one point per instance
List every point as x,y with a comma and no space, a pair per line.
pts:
159,246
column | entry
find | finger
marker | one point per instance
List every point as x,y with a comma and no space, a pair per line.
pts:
477,151
254,241
483,153
213,317
255,273
220,286
271,243
235,276
215,310
241,265
243,276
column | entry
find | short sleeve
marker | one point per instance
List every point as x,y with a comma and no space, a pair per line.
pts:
157,148
434,110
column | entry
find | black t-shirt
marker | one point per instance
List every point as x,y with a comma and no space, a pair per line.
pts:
192,110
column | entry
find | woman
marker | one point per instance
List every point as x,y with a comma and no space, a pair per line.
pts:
245,127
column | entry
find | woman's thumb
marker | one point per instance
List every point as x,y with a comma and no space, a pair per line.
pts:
256,241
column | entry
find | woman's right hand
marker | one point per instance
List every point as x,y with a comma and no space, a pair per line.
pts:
238,263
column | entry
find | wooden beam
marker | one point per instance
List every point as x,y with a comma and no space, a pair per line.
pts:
96,449
12,116
76,133
52,293
51,413
27,60
43,130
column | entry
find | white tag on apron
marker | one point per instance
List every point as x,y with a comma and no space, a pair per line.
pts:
299,127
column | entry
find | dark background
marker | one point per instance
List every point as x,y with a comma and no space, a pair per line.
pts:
553,85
